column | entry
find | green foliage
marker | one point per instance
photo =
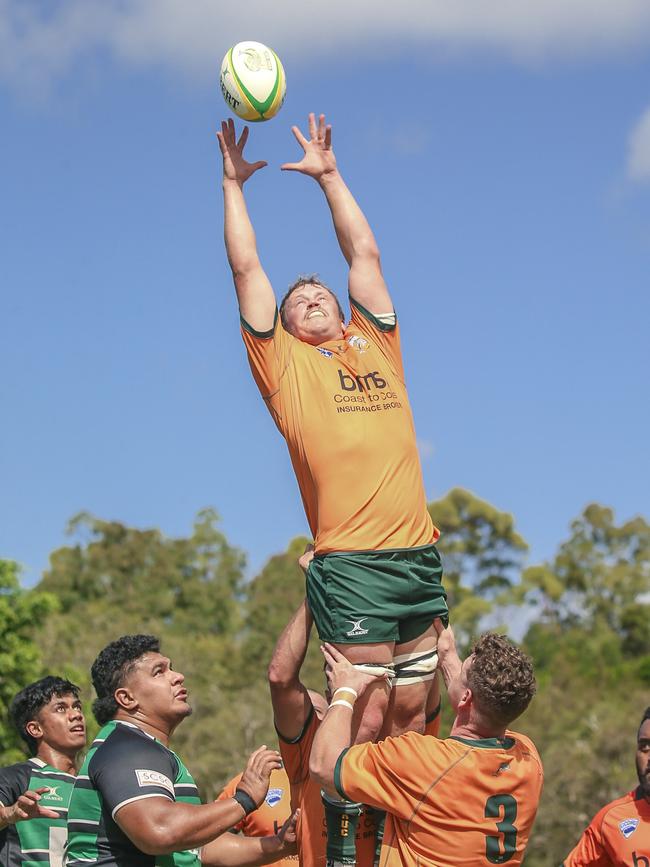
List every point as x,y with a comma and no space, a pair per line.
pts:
482,556
21,613
587,611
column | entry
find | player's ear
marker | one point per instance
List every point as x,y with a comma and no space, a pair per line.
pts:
466,699
125,699
34,729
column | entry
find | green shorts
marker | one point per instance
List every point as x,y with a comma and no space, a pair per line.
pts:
376,596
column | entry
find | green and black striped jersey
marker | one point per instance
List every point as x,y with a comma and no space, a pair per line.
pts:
124,764
35,842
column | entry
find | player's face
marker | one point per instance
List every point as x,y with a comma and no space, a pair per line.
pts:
643,758
61,724
312,315
158,689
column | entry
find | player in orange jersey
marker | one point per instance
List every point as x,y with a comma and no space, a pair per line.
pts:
469,799
272,813
619,834
297,714
336,393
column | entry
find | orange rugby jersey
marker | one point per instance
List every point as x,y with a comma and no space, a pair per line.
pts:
343,410
272,813
618,836
305,793
449,803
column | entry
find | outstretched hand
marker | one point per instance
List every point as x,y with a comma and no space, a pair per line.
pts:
27,807
319,159
235,167
340,672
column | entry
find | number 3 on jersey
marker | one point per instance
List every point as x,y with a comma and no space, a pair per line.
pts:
505,826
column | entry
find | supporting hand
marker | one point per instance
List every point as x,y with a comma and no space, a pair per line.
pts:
27,807
341,673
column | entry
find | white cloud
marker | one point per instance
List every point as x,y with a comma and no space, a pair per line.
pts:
638,157
39,42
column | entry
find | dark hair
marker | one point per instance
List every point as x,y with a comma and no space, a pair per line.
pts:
307,280
111,667
501,678
645,716
31,700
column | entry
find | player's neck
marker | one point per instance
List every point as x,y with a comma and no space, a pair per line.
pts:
62,761
156,728
473,732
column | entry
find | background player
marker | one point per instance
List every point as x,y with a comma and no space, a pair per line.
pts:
134,799
34,794
337,395
270,816
468,799
619,834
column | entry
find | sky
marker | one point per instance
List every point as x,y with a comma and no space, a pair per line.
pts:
501,152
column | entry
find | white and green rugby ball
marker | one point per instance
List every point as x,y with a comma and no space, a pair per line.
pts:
252,81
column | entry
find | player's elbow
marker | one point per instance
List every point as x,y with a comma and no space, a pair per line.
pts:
320,771
158,838
365,250
280,676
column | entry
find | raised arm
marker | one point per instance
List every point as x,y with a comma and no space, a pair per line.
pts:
291,702
254,292
356,240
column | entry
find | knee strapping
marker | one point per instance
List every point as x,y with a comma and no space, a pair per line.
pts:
415,667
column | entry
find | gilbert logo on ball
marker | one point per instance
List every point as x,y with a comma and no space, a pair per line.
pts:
252,81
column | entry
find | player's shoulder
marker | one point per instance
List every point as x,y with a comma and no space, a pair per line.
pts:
126,743
617,810
15,779
522,743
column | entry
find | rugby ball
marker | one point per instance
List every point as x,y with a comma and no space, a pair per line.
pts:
252,81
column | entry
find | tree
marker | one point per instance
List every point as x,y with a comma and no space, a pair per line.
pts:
21,613
482,556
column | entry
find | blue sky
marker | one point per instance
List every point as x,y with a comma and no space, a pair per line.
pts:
503,160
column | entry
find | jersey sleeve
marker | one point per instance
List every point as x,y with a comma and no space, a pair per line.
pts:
295,755
384,334
269,355
131,769
590,851
388,775
14,781
227,792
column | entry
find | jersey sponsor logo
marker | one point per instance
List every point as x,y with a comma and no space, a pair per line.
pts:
361,383
52,794
359,343
356,627
325,352
628,827
153,778
504,766
273,797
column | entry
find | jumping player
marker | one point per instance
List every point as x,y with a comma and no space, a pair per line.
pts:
468,799
336,393
619,834
34,794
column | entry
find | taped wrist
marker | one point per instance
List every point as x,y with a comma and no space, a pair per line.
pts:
245,801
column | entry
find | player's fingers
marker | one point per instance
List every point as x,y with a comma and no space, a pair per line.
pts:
334,653
302,141
243,138
328,137
312,125
259,165
44,813
222,144
291,167
321,127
